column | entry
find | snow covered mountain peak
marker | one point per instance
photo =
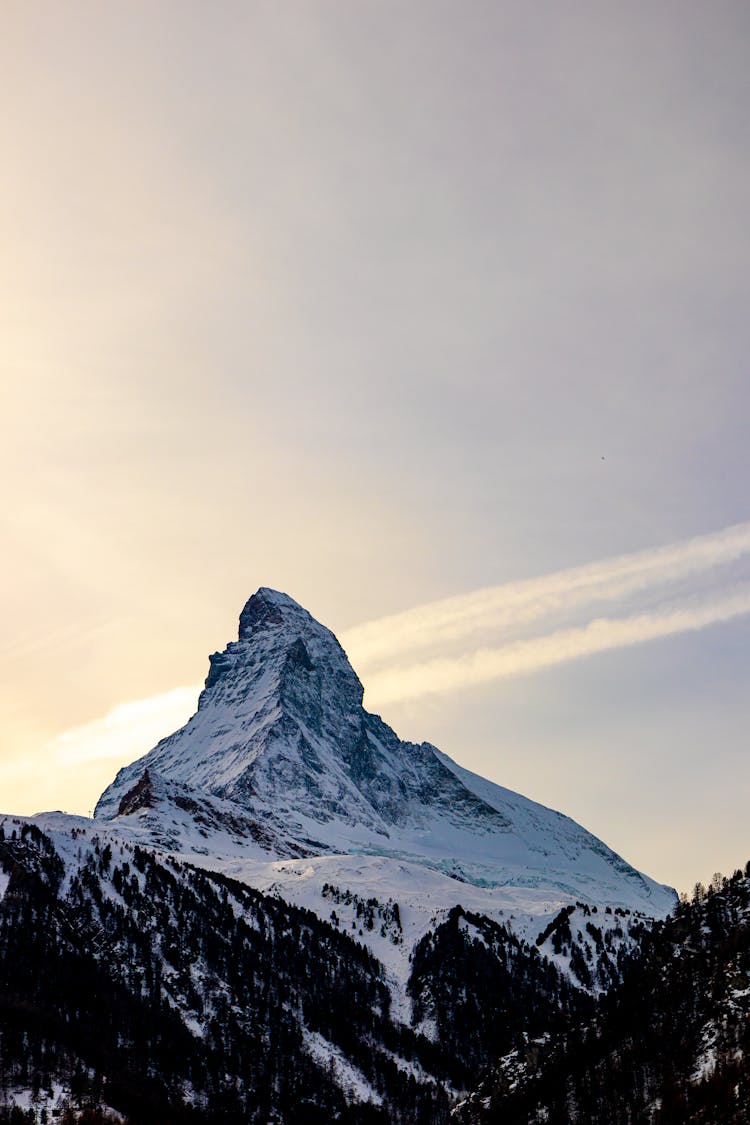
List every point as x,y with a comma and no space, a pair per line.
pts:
282,654
280,729
298,767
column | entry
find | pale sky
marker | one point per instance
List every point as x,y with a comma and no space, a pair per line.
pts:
384,304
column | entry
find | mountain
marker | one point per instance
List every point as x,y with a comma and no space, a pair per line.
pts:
283,757
285,913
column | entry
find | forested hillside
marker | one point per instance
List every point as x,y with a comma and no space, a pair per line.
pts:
668,1044
133,981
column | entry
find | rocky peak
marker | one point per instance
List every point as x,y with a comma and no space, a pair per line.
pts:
280,639
268,608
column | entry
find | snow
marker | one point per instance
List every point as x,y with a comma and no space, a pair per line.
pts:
347,1076
55,1101
705,1064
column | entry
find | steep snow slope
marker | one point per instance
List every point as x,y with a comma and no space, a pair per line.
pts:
282,753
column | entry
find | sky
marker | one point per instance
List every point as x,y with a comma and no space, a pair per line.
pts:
432,315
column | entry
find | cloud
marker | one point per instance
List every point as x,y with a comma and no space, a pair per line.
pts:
128,730
514,629
69,771
516,605
482,665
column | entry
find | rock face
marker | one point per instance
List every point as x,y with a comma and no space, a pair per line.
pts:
281,735
141,796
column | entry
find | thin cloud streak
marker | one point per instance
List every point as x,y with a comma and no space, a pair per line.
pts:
413,654
522,657
516,604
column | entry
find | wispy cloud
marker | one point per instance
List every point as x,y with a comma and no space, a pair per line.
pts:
441,675
518,605
509,630
128,730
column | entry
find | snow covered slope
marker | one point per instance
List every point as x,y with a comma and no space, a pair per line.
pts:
281,761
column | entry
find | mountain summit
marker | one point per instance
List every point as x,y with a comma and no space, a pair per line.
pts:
282,752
